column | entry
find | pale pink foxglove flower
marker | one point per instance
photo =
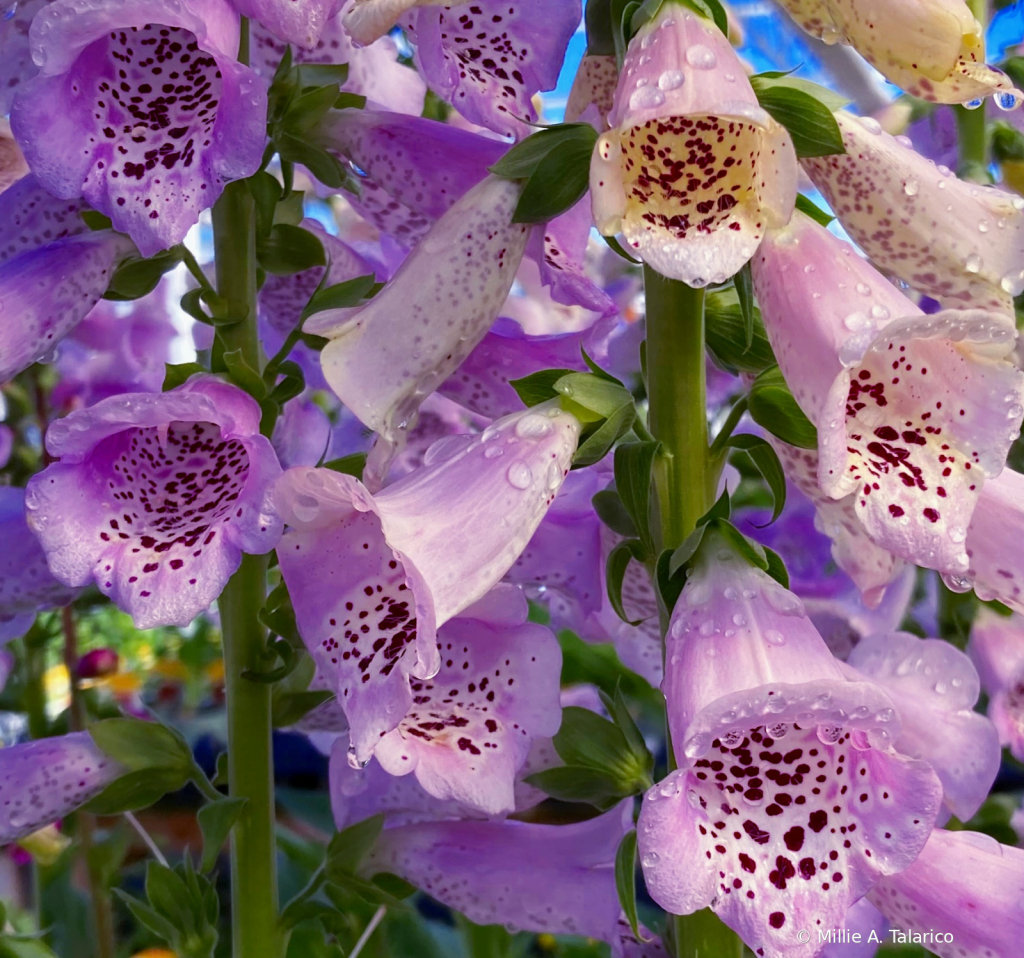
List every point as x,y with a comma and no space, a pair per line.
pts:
932,49
369,20
913,412
692,171
593,85
958,242
997,649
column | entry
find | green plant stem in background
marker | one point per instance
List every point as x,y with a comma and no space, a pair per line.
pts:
685,480
677,414
972,142
99,893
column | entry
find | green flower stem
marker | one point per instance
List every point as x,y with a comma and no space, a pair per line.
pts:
972,143
256,931
685,479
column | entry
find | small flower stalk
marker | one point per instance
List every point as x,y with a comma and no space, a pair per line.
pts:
692,170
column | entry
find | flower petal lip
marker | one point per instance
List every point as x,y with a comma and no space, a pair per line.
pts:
693,170
296,21
176,156
997,648
158,541
369,20
32,218
958,242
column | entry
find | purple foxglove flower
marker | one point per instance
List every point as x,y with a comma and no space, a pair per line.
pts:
593,85
368,20
16,64
44,780
966,887
97,663
6,444
490,58
913,412
153,165
936,687
12,164
385,357
506,670
789,801
444,535
997,649
300,22
958,242
692,171
301,434
932,49
438,419
862,918
373,71
541,878
156,497
26,584
33,218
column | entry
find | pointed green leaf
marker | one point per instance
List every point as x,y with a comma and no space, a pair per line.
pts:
625,879
216,821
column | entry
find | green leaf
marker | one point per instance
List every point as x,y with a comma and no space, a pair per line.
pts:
137,790
141,745
744,283
577,783
618,562
709,9
786,81
726,334
96,220
367,890
596,393
776,567
350,101
266,191
687,550
597,444
767,462
351,465
216,820
538,387
321,74
772,406
340,295
588,740
805,114
634,464
243,375
1007,143
611,511
292,383
623,718
394,885
138,277
348,848
625,879
812,210
725,533
289,708
559,181
175,375
309,107
668,585
600,40
290,249
326,167
146,916
522,160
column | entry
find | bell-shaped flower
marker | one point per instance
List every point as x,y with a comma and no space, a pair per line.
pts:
557,879
936,687
692,171
374,71
156,497
44,780
913,411
26,583
960,243
788,801
594,85
300,22
368,20
302,434
964,886
470,727
383,359
53,271
931,49
403,562
488,59
16,64
997,649
142,109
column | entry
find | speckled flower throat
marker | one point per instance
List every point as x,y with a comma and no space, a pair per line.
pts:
156,98
174,489
691,175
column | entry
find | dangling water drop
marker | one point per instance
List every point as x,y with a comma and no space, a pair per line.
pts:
973,263
973,104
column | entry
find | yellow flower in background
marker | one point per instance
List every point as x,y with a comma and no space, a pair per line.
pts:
45,845
171,669
58,689
215,671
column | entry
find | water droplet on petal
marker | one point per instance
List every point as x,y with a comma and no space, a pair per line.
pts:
973,104
701,57
973,263
646,98
910,187
774,637
829,734
671,80
1008,99
534,427
519,475
868,122
983,226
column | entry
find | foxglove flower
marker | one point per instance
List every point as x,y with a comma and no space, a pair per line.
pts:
489,58
301,434
542,878
44,780
16,64
383,359
156,497
933,49
403,562
26,584
788,802
141,108
300,22
504,673
594,85
958,242
913,412
692,171
368,20
966,887
936,687
997,649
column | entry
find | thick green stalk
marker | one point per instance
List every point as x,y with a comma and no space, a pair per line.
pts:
972,143
677,414
685,479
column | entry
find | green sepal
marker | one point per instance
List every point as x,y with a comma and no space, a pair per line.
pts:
771,405
290,249
726,334
538,387
613,513
351,465
615,571
634,465
216,819
625,880
805,109
138,277
177,374
342,295
766,459
811,209
349,847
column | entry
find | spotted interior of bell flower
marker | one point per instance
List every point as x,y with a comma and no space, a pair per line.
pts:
155,97
32,218
929,411
173,491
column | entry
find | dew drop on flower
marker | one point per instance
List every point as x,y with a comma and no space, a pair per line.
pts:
774,637
533,427
973,104
869,123
983,226
646,98
864,289
649,860
879,312
701,57
778,730
519,475
829,734
973,263
910,187
732,739
492,452
671,80
1008,99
